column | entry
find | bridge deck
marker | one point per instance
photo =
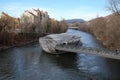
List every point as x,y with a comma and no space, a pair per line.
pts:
87,50
73,28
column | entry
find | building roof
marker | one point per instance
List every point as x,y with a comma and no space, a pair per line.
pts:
33,12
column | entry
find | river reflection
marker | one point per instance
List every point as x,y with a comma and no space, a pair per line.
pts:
31,63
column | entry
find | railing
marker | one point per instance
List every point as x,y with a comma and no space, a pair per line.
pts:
88,50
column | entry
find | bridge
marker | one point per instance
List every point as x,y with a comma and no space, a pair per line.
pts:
77,48
71,27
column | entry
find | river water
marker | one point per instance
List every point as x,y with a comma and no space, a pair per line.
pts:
30,62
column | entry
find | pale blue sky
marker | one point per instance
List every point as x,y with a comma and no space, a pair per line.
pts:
58,9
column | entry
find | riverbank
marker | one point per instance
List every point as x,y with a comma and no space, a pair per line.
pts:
6,47
18,40
105,29
10,40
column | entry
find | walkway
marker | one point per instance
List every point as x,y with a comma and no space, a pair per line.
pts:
87,50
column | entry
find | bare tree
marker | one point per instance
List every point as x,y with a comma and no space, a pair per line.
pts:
114,6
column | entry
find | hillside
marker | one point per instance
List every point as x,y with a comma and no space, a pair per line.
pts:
105,29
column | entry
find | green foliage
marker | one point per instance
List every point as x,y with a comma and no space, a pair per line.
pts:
47,26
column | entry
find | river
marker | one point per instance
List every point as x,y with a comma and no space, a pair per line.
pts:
30,62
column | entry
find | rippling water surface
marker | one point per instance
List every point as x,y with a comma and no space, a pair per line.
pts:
31,63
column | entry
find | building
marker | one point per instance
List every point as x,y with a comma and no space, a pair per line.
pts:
34,16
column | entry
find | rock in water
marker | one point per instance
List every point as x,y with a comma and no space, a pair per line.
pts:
49,42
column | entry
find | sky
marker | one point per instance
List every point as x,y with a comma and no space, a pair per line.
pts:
58,9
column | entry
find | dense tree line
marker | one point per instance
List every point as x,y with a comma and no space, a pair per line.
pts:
105,29
10,37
